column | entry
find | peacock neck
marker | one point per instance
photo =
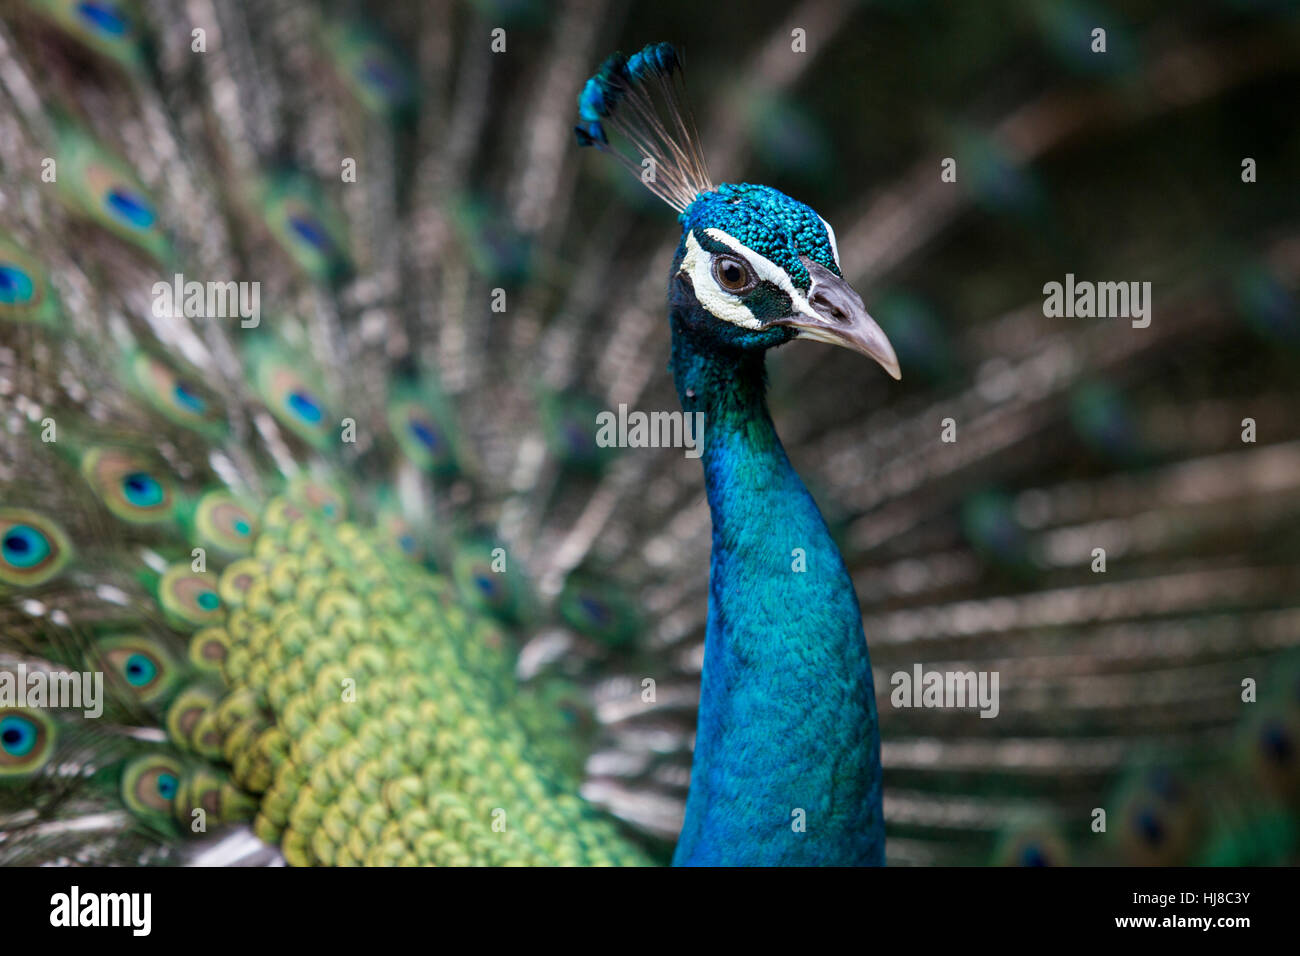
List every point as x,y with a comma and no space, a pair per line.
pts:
787,752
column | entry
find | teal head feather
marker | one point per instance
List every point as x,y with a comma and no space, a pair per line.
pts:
787,751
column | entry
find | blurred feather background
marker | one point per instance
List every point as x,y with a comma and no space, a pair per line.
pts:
1121,689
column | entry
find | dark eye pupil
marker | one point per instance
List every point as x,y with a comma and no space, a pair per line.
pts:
731,274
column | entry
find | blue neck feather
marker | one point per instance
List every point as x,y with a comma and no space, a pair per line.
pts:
787,719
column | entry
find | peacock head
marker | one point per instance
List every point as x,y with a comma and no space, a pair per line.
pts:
755,269
764,269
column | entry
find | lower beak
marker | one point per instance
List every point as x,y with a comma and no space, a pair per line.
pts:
841,319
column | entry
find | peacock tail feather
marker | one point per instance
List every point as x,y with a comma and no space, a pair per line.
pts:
361,584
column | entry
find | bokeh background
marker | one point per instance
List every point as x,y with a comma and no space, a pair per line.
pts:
1120,690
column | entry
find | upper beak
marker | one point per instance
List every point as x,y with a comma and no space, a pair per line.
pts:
841,319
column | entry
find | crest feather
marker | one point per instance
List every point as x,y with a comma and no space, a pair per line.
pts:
642,99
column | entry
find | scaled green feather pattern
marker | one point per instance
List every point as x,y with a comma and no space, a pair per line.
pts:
394,737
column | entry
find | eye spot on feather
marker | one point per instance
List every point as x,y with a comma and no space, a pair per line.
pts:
598,609
16,286
103,18
120,202
181,401
139,670
17,738
138,664
130,208
26,742
1032,855
167,784
295,400
595,609
425,435
225,523
189,596
24,546
576,438
32,548
187,399
422,435
130,485
377,72
141,489
481,578
319,496
304,406
307,228
150,783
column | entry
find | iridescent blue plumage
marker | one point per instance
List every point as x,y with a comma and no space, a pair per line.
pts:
767,221
787,750
597,99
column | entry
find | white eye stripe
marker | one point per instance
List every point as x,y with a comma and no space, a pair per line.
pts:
698,264
765,269
835,249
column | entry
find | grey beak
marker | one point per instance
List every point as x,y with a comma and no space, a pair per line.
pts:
842,319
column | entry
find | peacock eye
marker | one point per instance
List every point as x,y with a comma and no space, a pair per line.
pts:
732,274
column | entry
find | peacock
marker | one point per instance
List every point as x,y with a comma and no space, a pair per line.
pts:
307,316
787,716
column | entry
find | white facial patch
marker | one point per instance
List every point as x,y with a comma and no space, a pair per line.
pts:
698,264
